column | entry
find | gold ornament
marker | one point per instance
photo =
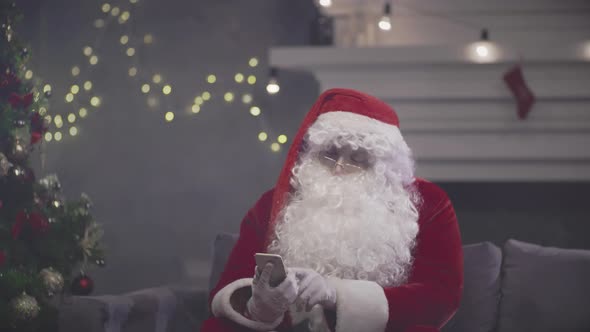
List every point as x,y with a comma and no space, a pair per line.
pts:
19,150
50,183
4,165
25,307
53,281
92,235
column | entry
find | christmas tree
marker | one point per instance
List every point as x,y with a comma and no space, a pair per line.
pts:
46,242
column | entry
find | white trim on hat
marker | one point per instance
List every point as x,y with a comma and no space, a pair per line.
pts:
356,123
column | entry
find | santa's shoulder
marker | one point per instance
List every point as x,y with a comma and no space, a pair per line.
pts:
431,195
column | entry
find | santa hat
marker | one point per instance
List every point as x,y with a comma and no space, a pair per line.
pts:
345,108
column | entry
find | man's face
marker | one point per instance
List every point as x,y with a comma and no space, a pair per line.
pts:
345,160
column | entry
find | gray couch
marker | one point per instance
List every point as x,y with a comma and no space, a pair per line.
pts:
521,287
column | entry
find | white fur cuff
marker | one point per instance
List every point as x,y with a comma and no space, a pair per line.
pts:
361,306
221,307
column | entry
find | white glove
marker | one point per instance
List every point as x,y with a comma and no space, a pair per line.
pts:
315,289
268,304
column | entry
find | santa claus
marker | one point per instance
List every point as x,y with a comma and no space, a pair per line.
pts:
367,246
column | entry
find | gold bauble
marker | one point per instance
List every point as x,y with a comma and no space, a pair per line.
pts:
25,307
53,281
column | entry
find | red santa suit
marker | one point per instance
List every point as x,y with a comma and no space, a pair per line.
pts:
425,302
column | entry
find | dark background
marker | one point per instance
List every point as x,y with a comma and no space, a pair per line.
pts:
163,190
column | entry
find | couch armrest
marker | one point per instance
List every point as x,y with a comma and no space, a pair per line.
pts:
162,309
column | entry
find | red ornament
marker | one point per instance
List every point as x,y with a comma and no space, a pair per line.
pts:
38,128
17,101
521,92
37,222
17,227
82,285
8,84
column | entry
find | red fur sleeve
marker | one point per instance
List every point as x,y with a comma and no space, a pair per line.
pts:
241,263
433,292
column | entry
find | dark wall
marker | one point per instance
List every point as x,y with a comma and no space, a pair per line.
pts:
553,214
163,190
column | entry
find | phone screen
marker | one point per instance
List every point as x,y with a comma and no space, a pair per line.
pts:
278,273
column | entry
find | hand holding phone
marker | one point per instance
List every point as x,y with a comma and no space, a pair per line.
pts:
278,273
272,291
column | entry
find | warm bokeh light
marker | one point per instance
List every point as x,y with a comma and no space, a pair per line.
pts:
124,17
71,118
69,97
57,136
48,137
95,101
99,23
247,98
169,116
229,97
166,89
132,71
148,39
211,79
239,78
275,147
145,88
83,112
153,101
282,139
124,39
130,51
87,51
93,60
73,131
251,79
255,110
195,108
253,62
262,136
206,95
157,78
75,89
75,71
58,121
28,74
87,85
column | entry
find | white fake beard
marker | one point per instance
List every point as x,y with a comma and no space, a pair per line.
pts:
356,226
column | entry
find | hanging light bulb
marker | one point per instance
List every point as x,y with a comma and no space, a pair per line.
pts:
385,21
483,51
325,3
273,84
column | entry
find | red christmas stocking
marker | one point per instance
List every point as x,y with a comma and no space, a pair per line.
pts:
521,92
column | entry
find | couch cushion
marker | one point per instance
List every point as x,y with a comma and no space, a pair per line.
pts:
222,246
481,289
544,289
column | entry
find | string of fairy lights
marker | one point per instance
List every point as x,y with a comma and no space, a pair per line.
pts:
81,99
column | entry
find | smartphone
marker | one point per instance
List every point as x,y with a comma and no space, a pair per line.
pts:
278,273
